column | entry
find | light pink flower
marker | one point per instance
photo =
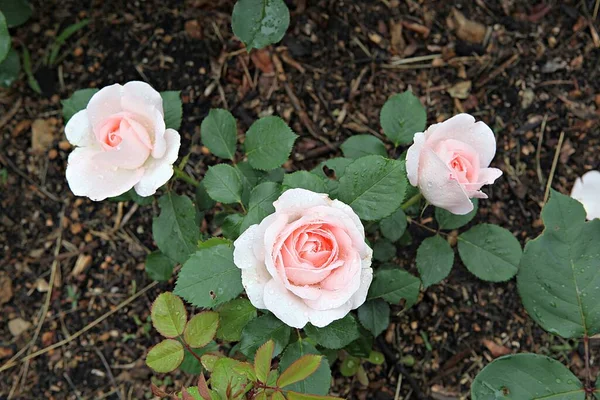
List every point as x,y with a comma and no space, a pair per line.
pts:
121,143
449,162
306,262
586,190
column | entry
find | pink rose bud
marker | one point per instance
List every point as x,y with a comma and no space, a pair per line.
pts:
307,262
586,190
449,162
121,143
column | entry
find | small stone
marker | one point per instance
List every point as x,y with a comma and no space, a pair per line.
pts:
52,154
17,326
193,29
42,135
76,228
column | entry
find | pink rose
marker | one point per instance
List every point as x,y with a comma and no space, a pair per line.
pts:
121,143
449,162
586,190
306,262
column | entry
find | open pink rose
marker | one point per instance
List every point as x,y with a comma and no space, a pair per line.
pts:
121,143
306,262
449,162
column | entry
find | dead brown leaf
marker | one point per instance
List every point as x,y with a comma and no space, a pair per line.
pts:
6,291
495,349
398,44
17,326
466,29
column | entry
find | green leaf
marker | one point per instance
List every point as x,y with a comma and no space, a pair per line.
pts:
77,102
203,200
260,330
373,186
376,358
173,108
559,274
17,12
209,361
174,230
10,68
165,356
490,252
383,250
61,39
262,361
337,165
526,376
131,195
234,316
375,316
227,379
299,370
259,23
231,226
261,203
447,220
394,226
319,382
269,143
213,241
5,41
190,364
223,184
362,346
219,133
349,366
304,180
209,277
336,335
168,315
363,145
401,117
201,329
159,267
393,285
435,258
303,396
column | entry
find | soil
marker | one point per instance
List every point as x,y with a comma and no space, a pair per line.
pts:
534,76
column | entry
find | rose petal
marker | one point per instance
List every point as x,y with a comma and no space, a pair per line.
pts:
131,153
79,131
463,127
96,181
412,158
103,104
145,93
437,186
487,176
586,190
254,281
360,296
286,306
294,201
158,172
243,248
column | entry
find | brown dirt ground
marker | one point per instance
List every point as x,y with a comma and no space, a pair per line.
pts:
337,65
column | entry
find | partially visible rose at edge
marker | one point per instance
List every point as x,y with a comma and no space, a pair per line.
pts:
449,162
306,262
121,142
586,190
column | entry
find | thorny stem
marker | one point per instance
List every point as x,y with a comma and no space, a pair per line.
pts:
181,174
412,221
412,201
188,348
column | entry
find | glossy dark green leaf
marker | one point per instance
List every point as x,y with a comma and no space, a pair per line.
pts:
260,330
173,108
219,133
336,335
357,146
159,267
259,23
269,143
401,117
435,258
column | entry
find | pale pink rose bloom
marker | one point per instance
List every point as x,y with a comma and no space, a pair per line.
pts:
121,143
586,190
449,162
306,262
